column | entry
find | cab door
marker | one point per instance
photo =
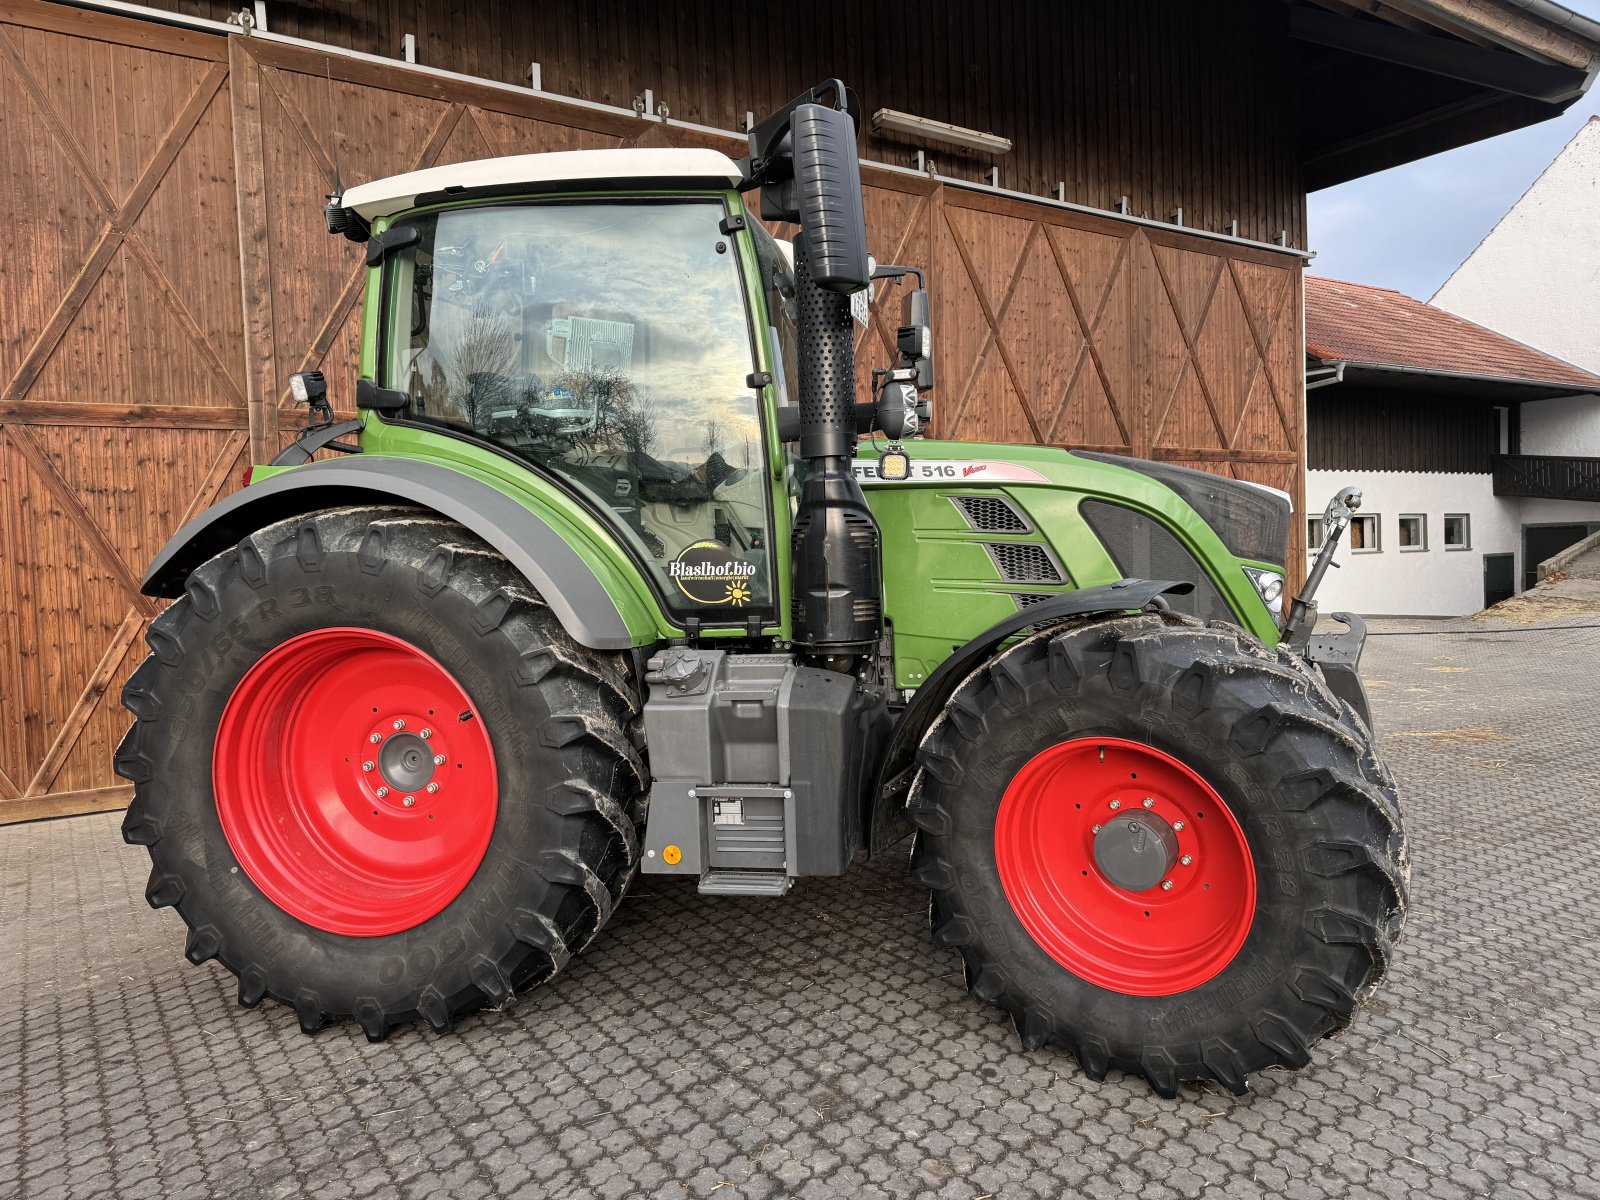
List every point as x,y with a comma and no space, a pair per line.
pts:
607,344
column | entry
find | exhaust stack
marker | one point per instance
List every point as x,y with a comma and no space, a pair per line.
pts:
803,157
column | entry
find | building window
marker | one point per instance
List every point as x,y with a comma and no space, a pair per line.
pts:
1413,531
1316,534
1364,533
1457,531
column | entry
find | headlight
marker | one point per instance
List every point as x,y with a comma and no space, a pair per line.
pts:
1269,585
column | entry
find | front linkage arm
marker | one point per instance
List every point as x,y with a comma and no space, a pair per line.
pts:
1337,654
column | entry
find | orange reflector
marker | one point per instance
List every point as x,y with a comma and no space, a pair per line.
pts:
672,856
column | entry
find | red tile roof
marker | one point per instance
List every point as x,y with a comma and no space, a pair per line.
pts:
1360,324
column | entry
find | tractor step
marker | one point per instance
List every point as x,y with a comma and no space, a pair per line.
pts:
744,883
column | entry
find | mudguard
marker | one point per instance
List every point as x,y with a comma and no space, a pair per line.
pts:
568,584
885,817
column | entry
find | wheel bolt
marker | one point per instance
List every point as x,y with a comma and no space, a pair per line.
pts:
399,724
1187,860
432,787
425,734
1166,885
1177,827
375,738
410,800
438,760
382,792
1149,802
1116,804
1094,829
368,765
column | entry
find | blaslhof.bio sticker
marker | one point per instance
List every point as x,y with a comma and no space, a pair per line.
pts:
708,574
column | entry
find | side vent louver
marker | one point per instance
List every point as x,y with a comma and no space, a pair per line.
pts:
1029,599
1024,562
991,514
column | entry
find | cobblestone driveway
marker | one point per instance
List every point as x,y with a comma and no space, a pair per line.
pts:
823,1047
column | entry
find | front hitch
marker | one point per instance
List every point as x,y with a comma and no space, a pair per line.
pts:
1338,654
1303,612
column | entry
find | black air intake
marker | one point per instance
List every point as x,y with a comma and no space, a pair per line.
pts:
827,187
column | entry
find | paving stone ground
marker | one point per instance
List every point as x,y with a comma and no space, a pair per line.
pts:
822,1046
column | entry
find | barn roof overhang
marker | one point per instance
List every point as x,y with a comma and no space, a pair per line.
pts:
1440,384
1384,82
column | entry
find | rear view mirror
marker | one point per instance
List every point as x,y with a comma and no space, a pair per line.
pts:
915,340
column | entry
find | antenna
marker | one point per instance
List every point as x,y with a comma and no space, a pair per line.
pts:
338,185
334,214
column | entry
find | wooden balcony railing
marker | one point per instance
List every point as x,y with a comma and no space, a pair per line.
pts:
1547,475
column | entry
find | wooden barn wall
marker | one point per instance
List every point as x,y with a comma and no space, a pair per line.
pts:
1352,426
145,345
1174,105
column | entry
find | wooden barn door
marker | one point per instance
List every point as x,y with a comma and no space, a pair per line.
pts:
1063,328
122,406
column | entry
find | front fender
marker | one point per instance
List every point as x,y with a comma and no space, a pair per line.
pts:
575,593
885,819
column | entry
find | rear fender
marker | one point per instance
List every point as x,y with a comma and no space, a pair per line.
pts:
885,817
575,593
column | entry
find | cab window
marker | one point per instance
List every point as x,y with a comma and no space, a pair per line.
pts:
605,343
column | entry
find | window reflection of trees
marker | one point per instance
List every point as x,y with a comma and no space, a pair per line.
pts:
519,344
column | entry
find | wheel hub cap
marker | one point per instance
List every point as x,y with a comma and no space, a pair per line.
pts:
406,762
1135,851
1125,866
354,781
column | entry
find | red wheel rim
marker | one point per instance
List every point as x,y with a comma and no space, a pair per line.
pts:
354,781
1152,942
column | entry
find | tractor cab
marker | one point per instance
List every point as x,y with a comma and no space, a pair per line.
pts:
597,316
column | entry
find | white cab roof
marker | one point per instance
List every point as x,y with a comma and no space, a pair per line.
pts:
384,197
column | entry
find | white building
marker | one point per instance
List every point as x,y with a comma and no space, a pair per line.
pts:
1466,444
1536,276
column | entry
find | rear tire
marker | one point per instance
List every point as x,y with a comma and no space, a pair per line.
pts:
379,927
1316,865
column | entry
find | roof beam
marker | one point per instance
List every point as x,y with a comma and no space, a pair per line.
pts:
1508,27
1513,74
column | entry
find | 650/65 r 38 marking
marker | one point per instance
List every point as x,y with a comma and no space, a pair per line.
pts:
324,853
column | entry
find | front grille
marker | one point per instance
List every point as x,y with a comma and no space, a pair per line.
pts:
1145,549
1029,599
991,514
1024,562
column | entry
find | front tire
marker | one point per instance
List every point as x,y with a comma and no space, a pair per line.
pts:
1161,846
375,776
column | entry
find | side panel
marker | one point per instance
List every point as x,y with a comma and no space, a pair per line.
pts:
946,581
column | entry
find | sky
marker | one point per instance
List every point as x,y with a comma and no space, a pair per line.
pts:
1410,227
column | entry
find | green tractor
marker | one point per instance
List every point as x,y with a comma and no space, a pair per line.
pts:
606,578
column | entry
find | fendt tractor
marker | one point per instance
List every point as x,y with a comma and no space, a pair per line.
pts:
614,572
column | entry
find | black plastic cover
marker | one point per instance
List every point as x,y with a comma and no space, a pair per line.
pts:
1252,523
827,195
838,572
1144,548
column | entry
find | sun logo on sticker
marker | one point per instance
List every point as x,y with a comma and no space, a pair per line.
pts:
738,592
